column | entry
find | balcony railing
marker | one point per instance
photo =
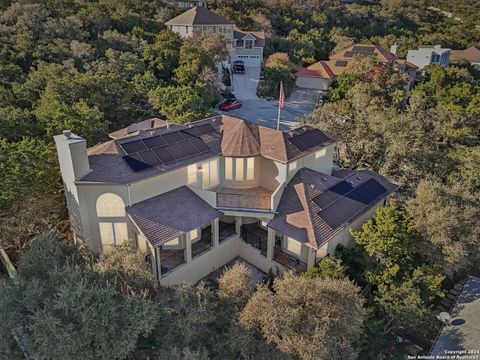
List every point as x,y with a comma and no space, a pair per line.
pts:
204,244
170,259
226,230
287,260
256,236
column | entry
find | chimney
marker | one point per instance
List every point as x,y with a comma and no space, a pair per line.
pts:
72,156
393,49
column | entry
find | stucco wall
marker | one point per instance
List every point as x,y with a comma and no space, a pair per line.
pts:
308,82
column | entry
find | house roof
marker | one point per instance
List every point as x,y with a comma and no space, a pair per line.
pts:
134,129
199,15
259,36
472,54
408,65
223,135
463,333
163,217
342,60
316,206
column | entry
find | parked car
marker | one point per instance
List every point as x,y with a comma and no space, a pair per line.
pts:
262,76
239,67
230,104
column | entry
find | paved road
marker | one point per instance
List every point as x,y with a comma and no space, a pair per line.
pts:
263,112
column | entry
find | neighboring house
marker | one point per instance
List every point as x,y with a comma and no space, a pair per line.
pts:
242,45
427,55
471,55
461,334
193,197
187,4
321,74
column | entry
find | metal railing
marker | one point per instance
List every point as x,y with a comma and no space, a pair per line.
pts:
260,242
226,230
204,244
289,261
171,260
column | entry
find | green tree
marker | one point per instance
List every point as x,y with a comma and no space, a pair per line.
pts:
193,60
328,267
271,85
308,318
164,53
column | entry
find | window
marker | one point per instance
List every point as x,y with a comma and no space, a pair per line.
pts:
112,234
172,243
193,234
250,168
248,44
209,174
263,223
110,205
320,153
192,174
292,166
239,169
228,168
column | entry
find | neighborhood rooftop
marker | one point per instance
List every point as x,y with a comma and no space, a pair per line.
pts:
198,15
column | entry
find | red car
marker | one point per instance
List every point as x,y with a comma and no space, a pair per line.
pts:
230,104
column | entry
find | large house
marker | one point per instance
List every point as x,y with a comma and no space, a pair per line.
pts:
471,55
242,45
427,55
193,197
321,74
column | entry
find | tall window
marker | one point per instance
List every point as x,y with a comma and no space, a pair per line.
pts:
320,153
110,205
192,174
112,234
248,44
239,169
228,168
209,174
250,168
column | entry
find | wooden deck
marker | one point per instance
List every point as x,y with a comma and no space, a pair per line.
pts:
251,198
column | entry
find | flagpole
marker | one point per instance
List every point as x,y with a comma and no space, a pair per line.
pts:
278,116
281,102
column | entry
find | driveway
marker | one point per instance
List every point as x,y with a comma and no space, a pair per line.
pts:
263,112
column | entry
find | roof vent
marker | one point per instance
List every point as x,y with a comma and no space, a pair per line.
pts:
324,179
67,133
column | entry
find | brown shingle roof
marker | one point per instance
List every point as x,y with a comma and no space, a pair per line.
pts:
199,15
240,138
472,54
302,216
171,214
135,128
258,35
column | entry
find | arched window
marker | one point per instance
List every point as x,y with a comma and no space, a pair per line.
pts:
110,205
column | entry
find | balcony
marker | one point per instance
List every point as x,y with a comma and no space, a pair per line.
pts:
251,198
254,235
204,243
170,259
289,261
225,230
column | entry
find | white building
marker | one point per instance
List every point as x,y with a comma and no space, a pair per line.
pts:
193,197
427,55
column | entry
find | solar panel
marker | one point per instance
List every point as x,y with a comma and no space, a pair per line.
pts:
298,143
135,163
341,63
163,155
200,130
173,137
133,146
189,148
177,152
149,158
367,192
199,144
308,140
319,136
364,49
331,195
349,54
155,141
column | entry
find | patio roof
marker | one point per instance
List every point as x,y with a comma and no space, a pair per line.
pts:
171,214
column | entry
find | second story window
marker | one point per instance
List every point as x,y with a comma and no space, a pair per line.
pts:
192,174
110,205
320,153
250,168
239,169
248,44
209,174
292,166
239,163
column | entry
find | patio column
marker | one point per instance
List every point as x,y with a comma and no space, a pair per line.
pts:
156,263
188,247
270,243
238,224
311,258
215,231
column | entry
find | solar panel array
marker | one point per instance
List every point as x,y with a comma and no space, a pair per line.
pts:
308,140
363,49
341,63
345,204
162,149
